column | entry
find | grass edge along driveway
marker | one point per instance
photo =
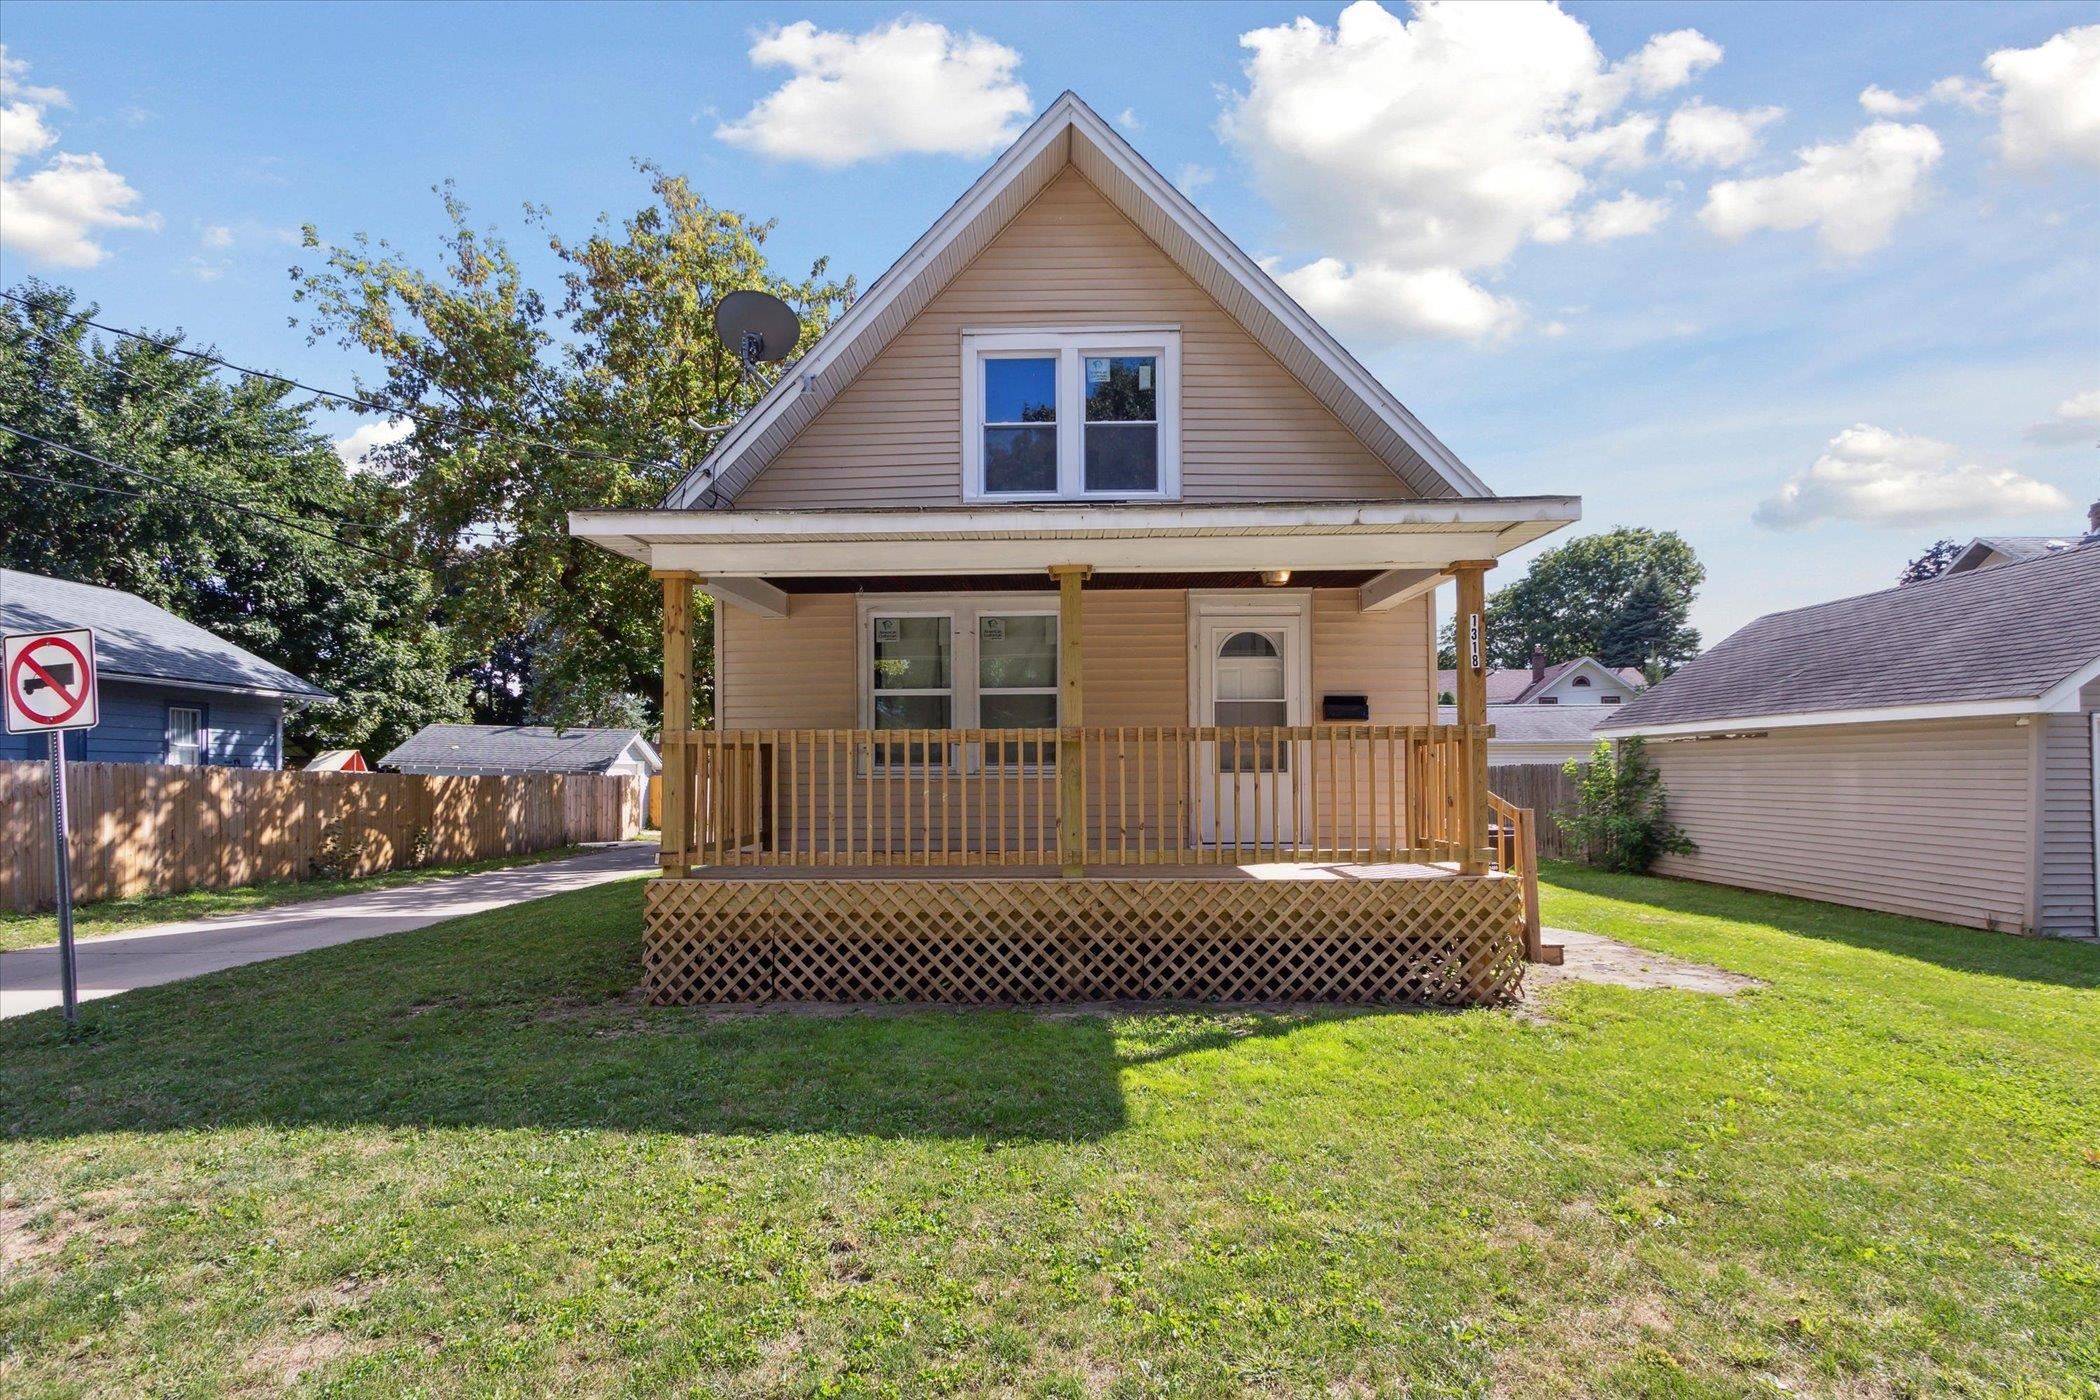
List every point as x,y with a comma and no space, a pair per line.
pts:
464,1161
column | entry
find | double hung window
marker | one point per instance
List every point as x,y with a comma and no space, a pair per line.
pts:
962,663
1072,415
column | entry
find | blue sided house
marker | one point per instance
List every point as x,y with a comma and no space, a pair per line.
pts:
171,691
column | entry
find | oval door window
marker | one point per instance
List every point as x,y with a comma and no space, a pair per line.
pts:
1247,688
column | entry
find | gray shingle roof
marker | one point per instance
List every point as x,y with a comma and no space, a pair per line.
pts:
2009,547
1513,685
515,748
2005,633
1537,724
136,640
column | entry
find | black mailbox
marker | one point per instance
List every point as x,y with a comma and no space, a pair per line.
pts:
1346,709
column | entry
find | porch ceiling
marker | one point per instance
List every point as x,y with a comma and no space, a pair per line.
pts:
1113,538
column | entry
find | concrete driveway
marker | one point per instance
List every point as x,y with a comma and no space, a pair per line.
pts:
147,957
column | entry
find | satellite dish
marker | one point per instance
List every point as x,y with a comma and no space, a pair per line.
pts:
758,326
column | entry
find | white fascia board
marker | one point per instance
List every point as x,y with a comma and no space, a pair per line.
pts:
1126,554
2062,698
302,697
1492,514
1812,719
753,595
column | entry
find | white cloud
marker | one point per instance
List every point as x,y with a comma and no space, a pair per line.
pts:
1852,195
1878,477
1882,103
1193,177
216,236
2076,421
53,213
1703,135
907,87
2049,99
1128,120
1669,61
367,436
207,269
1415,154
1625,217
1375,300
1961,92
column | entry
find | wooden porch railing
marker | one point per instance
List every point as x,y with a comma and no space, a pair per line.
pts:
1151,795
1514,839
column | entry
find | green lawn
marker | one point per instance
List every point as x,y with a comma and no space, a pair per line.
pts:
118,915
463,1161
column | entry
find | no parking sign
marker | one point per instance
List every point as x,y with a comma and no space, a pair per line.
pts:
50,680
49,684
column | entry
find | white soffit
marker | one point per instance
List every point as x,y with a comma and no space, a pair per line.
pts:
1070,132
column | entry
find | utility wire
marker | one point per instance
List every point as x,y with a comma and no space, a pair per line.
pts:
418,414
187,489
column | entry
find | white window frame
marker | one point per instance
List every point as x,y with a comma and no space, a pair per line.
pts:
203,739
963,611
1072,345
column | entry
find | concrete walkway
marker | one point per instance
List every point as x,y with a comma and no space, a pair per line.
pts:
147,957
1591,957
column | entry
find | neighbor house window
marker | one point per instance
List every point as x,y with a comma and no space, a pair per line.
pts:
1072,414
185,736
961,663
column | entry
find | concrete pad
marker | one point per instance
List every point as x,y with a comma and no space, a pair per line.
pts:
148,957
1591,957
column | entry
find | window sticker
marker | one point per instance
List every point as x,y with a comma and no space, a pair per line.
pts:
887,629
993,629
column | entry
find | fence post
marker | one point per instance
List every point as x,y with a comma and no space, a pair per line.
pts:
1071,746
1472,644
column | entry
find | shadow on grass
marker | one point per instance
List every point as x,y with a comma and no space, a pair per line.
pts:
2060,962
527,1018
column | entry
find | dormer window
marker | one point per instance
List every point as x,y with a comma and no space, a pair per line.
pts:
1072,414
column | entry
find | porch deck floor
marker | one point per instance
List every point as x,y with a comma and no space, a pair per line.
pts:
1291,870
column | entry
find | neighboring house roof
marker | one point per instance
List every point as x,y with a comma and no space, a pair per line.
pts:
137,641
520,748
1536,724
2016,638
1985,549
1071,133
1515,685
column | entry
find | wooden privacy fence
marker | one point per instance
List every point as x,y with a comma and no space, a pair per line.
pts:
1546,790
144,828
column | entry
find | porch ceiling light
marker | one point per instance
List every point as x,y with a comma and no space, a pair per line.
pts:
1275,578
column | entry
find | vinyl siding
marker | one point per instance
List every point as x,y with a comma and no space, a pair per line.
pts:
2064,879
241,729
1250,431
798,671
1931,819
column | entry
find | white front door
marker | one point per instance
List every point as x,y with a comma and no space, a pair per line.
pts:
1250,672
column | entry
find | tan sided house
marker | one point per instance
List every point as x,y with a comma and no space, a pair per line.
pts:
1074,637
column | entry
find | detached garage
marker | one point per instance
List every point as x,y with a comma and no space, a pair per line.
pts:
1929,750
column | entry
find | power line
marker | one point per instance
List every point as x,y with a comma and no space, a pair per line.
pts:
190,490
417,414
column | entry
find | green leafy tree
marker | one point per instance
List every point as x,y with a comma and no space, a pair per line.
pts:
1620,820
198,525
526,406
1931,564
1569,599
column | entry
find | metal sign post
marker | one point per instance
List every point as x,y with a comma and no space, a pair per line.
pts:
49,687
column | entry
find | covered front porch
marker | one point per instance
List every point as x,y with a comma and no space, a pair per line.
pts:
1325,858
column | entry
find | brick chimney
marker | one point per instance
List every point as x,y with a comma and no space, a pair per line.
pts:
1538,653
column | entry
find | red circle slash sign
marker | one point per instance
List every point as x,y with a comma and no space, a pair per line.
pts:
72,698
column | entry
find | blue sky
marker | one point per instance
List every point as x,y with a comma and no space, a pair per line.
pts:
1810,373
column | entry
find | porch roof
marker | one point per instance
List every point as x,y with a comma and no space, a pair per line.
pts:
1187,536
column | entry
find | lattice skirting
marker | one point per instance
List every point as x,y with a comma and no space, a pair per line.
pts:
1453,941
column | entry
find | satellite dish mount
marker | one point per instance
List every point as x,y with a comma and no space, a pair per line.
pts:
760,328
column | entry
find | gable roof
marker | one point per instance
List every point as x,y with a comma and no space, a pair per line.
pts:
2012,639
1071,133
1513,685
1536,724
1977,552
136,640
518,748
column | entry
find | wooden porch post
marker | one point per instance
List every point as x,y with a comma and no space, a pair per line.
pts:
678,720
1472,710
1071,749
